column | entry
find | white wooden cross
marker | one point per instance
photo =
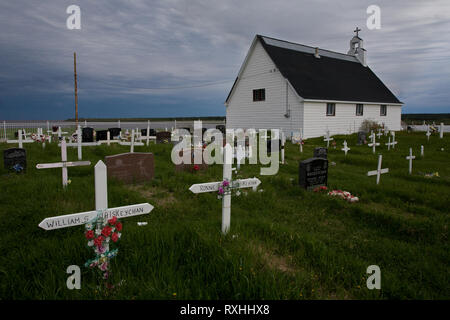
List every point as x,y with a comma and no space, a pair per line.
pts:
421,151
20,139
64,164
327,138
345,148
108,140
79,144
283,141
393,139
226,198
428,134
101,204
380,133
374,143
389,143
132,143
410,158
379,171
441,130
148,137
371,137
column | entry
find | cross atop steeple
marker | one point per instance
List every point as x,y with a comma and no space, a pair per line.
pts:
357,30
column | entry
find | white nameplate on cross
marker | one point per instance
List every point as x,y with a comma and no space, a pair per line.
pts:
379,171
214,187
101,203
64,164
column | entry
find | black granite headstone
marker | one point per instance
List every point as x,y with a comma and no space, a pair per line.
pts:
321,152
13,157
163,137
144,132
102,135
361,137
114,132
313,172
87,134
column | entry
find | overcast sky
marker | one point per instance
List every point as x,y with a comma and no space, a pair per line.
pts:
144,58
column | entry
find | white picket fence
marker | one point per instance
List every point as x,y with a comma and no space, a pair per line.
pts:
423,127
9,129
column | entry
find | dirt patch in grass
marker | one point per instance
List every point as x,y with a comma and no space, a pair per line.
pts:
159,197
274,261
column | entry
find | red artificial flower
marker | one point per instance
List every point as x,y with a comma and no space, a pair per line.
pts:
115,237
118,226
113,220
106,231
90,234
98,241
196,167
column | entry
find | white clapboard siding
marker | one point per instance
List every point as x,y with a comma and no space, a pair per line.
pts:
316,122
261,73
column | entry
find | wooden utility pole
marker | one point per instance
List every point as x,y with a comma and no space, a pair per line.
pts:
76,89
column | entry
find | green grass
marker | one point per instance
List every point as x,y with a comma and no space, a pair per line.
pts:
284,242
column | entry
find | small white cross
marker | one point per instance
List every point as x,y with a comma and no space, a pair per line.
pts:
327,138
379,171
20,139
64,164
428,134
410,158
441,130
421,151
345,148
374,144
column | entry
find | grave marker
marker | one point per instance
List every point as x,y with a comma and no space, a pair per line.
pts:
313,172
131,167
327,138
101,204
64,164
345,148
374,143
410,158
234,184
379,171
441,131
20,140
321,152
361,137
15,157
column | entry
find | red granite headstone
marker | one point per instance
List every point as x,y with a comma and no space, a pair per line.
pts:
131,167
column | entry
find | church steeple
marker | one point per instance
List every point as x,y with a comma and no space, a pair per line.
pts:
357,48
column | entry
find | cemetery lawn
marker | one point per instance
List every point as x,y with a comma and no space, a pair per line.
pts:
284,242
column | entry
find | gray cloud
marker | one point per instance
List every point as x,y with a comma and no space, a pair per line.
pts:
127,46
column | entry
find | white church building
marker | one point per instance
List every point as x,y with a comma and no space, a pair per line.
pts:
297,88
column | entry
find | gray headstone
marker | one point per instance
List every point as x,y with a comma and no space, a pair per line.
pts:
321,152
361,137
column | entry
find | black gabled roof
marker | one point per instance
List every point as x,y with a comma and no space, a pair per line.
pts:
333,76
